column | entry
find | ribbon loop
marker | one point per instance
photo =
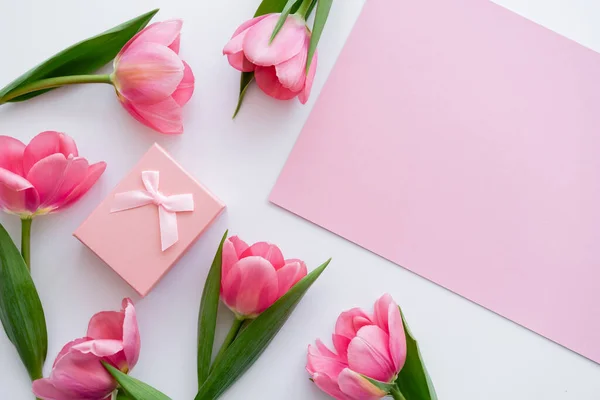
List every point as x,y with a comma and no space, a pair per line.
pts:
168,206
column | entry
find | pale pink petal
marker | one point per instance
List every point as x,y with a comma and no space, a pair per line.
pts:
55,177
360,321
148,73
106,325
324,350
250,287
165,33
305,93
240,62
329,386
289,41
323,361
290,274
164,117
67,348
233,248
344,325
368,354
46,144
381,311
100,348
131,334
176,44
184,91
357,387
17,194
82,375
93,174
248,24
341,346
292,73
267,81
11,154
398,348
268,251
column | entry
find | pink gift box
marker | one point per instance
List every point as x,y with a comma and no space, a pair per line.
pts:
157,205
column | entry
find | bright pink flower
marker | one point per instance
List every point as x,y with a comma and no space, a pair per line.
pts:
153,83
279,67
44,176
366,345
254,277
77,373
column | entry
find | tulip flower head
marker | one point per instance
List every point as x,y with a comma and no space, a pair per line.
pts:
45,176
279,66
254,277
367,347
153,83
78,373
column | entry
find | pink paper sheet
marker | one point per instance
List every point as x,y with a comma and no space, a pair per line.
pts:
462,141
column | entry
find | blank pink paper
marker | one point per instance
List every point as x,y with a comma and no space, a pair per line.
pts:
462,141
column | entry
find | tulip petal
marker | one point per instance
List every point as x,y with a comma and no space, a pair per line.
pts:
11,154
67,347
267,81
233,248
344,325
305,93
322,360
184,91
357,387
44,389
251,286
46,144
82,375
165,33
240,62
268,251
148,73
290,274
106,325
99,348
176,44
17,194
368,354
55,177
260,50
131,334
341,344
398,348
164,117
381,312
292,73
93,174
329,386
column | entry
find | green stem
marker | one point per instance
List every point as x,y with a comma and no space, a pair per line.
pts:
397,394
50,83
233,332
26,241
304,7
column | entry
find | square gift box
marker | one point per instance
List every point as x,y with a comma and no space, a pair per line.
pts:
149,220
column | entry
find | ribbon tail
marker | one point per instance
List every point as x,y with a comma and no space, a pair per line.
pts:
168,228
128,200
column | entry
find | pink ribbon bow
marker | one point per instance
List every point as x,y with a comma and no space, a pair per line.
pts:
168,206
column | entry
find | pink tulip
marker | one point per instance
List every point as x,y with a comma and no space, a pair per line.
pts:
77,373
366,345
279,67
153,83
254,277
45,176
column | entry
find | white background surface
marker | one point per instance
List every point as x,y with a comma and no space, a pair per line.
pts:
471,353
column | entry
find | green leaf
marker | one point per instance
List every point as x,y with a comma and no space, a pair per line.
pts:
265,7
207,318
311,8
414,381
21,310
245,81
284,14
133,388
323,8
386,387
254,339
82,58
